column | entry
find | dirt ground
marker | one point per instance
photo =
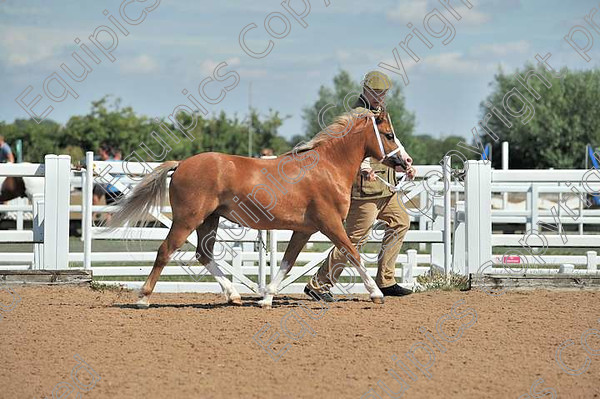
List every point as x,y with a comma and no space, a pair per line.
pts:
195,346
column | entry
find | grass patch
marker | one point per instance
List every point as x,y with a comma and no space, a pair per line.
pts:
437,281
98,286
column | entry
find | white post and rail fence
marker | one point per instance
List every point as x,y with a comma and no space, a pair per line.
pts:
458,231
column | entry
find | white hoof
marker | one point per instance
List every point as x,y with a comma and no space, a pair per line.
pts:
265,303
377,297
235,300
233,297
377,300
143,303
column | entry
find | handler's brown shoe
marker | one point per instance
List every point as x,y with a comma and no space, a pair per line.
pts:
318,296
395,290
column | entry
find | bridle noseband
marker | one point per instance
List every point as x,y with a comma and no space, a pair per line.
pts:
393,152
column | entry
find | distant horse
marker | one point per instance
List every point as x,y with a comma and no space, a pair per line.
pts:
312,194
12,187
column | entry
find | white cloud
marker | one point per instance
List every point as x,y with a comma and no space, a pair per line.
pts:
454,62
19,10
25,45
208,66
503,49
343,55
415,10
142,63
411,11
471,17
249,73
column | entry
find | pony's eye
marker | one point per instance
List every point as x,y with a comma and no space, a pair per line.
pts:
389,136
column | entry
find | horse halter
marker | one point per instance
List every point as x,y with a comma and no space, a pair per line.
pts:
393,152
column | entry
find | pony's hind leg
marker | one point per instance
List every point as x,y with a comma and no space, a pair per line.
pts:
207,233
175,239
295,245
229,290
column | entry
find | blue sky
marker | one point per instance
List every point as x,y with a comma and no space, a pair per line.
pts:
179,44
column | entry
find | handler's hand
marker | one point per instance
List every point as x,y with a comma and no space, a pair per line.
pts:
410,171
369,174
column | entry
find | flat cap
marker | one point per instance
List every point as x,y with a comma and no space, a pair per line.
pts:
377,80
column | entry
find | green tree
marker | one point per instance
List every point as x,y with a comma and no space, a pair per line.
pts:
230,134
38,139
107,123
566,118
122,128
427,150
265,132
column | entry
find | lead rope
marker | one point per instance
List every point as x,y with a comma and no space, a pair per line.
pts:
262,242
391,186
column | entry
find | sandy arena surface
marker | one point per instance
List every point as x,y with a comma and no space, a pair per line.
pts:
195,346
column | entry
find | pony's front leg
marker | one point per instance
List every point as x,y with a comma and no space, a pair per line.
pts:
273,286
296,244
374,292
339,238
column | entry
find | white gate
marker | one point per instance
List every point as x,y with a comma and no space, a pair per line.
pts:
50,232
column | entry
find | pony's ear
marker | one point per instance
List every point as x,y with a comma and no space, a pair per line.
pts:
380,116
362,113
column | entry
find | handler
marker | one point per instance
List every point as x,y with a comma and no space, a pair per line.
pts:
371,199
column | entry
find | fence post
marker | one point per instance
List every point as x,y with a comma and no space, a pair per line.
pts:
411,265
57,191
591,261
38,231
262,259
437,249
534,206
236,262
86,209
20,201
273,253
458,258
478,198
580,214
447,215
504,167
422,219
529,207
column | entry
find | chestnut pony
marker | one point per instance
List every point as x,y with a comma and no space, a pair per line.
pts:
310,194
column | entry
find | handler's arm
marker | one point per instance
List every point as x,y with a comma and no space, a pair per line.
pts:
365,169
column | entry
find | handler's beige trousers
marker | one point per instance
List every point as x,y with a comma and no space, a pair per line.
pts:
360,219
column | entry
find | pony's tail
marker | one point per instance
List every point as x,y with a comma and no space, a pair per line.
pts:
150,192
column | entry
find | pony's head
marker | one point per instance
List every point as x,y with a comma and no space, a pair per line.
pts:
376,131
382,143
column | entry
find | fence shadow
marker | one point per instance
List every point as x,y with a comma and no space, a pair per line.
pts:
248,302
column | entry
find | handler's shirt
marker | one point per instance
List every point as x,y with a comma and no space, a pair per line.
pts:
365,189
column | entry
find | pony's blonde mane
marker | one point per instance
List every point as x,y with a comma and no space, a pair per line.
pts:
324,137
